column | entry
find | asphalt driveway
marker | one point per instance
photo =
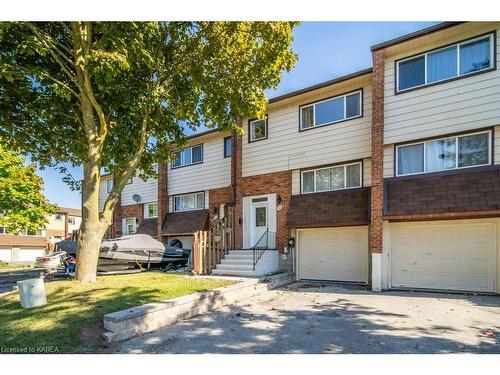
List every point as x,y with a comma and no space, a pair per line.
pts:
315,318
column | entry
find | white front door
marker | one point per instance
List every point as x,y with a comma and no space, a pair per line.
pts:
259,215
259,220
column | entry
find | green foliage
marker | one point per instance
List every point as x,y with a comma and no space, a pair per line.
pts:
72,319
22,203
187,74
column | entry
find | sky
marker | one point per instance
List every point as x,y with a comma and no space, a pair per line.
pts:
326,50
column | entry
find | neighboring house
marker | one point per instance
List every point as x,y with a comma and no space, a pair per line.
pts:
138,205
26,246
388,176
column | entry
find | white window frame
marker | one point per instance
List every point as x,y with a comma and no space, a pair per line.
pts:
4,230
458,75
109,185
251,127
146,210
183,162
185,195
58,217
345,118
330,167
490,136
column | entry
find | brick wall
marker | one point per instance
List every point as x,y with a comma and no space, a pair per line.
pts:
376,205
216,197
279,183
162,195
121,212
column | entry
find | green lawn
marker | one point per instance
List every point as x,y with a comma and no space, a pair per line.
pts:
4,267
72,319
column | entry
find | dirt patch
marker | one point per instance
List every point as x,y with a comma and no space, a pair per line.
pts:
92,340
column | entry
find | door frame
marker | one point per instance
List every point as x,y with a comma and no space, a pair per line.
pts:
247,224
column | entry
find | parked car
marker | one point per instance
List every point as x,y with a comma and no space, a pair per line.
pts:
52,260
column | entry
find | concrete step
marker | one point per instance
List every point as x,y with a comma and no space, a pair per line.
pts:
241,252
240,257
237,262
234,273
235,267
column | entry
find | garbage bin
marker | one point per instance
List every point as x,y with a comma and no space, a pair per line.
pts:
32,292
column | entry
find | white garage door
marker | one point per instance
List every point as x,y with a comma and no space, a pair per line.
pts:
444,255
338,254
29,254
5,254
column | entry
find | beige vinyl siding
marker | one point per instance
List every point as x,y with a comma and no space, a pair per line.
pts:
287,148
296,182
214,172
148,191
496,143
467,103
367,172
388,161
103,193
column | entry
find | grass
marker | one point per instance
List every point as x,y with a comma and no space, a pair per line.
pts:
5,267
71,322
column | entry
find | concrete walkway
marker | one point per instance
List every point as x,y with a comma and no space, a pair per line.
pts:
315,318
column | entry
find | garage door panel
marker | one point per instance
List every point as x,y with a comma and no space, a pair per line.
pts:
30,254
5,254
454,256
339,254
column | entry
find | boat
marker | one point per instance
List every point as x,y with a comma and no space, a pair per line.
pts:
140,250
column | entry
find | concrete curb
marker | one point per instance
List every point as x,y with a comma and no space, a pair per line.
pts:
278,280
125,324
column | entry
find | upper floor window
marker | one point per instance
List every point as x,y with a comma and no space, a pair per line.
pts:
227,146
130,180
460,59
454,152
3,230
188,156
58,217
189,202
257,129
31,232
331,110
71,220
109,185
150,210
332,178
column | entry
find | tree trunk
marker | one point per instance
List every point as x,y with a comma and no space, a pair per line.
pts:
91,232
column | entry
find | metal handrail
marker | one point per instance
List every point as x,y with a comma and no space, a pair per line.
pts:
261,246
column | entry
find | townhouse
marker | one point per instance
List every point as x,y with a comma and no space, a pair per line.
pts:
26,246
388,176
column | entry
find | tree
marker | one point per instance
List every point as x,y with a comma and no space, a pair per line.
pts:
22,203
117,95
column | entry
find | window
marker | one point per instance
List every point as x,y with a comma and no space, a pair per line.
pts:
3,230
453,152
38,232
130,180
109,185
58,217
130,226
71,220
189,202
150,210
331,110
449,62
332,178
155,167
188,156
257,129
227,147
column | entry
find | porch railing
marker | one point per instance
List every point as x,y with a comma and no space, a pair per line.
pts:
209,247
266,241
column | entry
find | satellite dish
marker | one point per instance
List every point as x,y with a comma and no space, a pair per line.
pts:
136,198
